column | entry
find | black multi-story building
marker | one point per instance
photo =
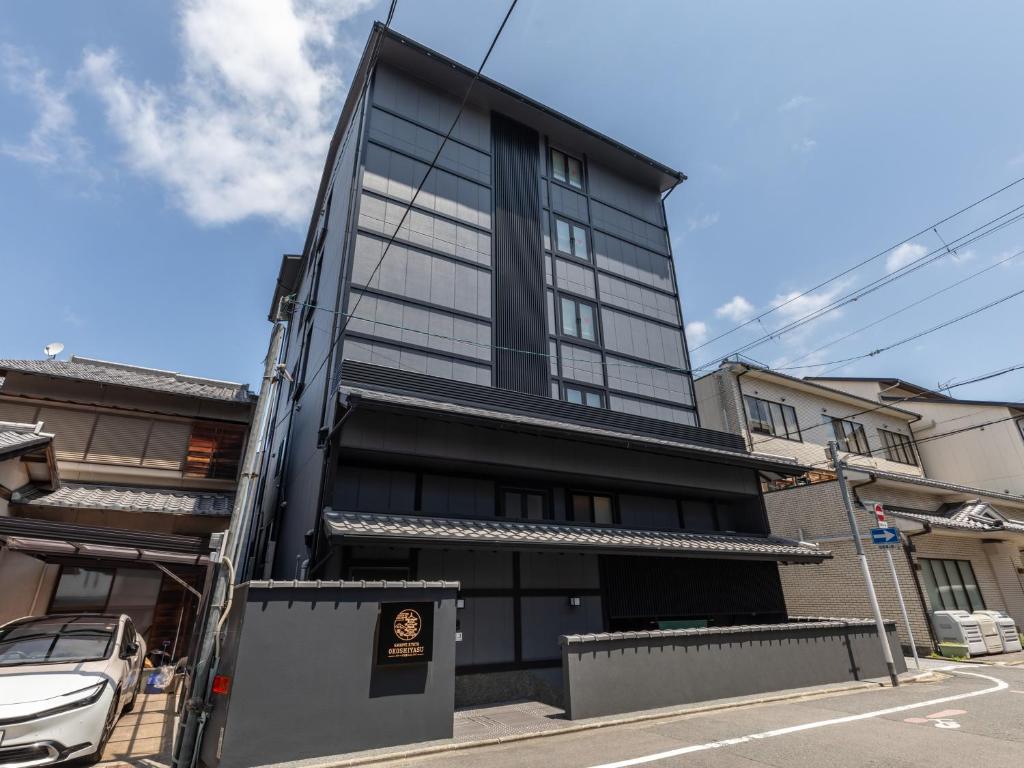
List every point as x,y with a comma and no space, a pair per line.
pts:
503,398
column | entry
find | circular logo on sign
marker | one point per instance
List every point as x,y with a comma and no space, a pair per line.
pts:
407,624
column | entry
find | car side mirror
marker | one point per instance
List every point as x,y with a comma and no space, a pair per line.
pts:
131,649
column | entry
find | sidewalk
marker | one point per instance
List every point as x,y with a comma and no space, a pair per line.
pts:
515,721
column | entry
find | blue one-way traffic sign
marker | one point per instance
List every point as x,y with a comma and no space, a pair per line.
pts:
885,537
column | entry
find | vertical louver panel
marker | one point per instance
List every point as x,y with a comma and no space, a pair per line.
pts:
71,430
18,413
118,440
168,442
519,312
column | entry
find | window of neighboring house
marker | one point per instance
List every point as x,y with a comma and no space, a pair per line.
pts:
524,503
82,590
571,238
850,435
566,169
578,319
951,585
583,396
771,418
215,450
898,447
591,508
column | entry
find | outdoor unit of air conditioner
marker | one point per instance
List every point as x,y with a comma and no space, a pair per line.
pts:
989,631
960,627
1007,629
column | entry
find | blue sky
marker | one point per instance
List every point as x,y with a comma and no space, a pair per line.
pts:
156,159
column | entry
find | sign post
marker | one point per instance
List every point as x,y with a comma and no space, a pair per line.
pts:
833,450
891,540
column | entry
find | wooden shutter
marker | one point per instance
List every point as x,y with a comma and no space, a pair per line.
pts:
71,431
19,413
118,440
168,442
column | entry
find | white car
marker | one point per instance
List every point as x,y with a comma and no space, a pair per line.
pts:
64,682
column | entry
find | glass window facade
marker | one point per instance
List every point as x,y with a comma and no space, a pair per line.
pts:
771,418
951,585
899,448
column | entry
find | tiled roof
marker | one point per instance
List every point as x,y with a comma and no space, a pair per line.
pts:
972,516
17,438
86,369
133,499
929,482
505,532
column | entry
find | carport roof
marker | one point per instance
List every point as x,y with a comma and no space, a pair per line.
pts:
551,535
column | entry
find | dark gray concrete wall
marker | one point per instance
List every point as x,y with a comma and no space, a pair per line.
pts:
301,658
608,674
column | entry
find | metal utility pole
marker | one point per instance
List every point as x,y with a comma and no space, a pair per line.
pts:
833,450
879,511
210,623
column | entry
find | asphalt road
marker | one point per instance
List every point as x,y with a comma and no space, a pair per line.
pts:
974,717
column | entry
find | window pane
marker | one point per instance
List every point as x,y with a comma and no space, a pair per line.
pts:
563,242
778,422
934,598
82,590
581,508
558,164
971,586
757,424
792,428
575,173
574,395
956,588
861,437
513,504
587,322
579,235
603,510
569,317
593,399
534,506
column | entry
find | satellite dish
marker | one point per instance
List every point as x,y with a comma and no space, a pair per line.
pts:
52,350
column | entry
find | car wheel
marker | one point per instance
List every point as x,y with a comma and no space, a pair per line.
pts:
108,729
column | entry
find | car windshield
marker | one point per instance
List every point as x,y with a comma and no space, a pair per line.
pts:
56,640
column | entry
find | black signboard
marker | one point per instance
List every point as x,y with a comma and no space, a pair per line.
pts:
405,634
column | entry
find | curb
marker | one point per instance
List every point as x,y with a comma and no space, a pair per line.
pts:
443,748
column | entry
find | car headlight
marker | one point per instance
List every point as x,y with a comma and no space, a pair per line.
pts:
74,700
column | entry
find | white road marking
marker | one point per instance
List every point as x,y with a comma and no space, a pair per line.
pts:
999,686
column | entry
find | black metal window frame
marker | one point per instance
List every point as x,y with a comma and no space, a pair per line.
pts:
585,394
560,162
898,447
764,416
574,227
613,507
851,435
951,584
525,492
577,319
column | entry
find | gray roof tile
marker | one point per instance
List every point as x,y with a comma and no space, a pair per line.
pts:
86,369
490,532
133,499
971,516
16,438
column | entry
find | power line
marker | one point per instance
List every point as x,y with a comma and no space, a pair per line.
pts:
891,315
433,164
895,401
860,264
967,239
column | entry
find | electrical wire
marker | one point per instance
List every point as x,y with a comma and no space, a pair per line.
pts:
929,258
900,311
860,264
433,164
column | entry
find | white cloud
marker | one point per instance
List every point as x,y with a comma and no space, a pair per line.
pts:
962,257
702,222
696,333
246,130
736,309
795,103
903,255
52,142
793,306
805,146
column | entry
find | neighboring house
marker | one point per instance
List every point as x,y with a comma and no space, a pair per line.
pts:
509,404
142,468
982,441
961,542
